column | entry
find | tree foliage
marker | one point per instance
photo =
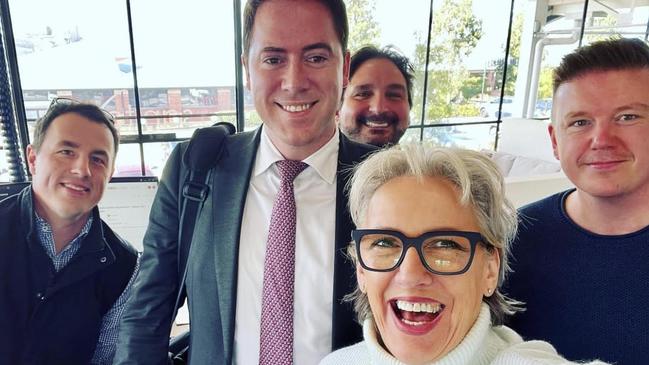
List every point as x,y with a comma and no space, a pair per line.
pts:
455,33
363,29
545,83
514,57
472,87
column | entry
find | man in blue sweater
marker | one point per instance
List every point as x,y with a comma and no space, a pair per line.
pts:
580,262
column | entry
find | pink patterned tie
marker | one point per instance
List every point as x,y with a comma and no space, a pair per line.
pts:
279,273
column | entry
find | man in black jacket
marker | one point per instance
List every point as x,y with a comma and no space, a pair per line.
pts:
66,275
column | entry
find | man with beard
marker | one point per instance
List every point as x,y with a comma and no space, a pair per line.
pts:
377,101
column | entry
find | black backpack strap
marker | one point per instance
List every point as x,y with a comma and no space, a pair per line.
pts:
202,154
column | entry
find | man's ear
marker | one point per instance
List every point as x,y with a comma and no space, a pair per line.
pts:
347,58
244,63
553,138
31,159
112,169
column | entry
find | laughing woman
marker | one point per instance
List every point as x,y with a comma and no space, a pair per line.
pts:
430,252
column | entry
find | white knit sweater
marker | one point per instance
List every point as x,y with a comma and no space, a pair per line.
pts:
483,345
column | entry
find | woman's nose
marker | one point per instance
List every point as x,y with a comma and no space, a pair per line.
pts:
412,271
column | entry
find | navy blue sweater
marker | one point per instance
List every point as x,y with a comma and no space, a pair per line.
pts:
586,294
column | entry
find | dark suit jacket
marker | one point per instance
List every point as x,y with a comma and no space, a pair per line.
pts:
212,266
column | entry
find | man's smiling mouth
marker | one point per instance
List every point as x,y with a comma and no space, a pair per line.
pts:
377,124
380,120
75,187
296,108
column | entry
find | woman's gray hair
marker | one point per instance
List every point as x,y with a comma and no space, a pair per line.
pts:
480,184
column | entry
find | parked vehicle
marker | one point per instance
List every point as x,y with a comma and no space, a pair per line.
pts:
490,109
543,108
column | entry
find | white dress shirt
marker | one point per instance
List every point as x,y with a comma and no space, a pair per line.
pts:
315,200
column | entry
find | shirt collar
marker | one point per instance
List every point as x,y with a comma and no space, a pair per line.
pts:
45,233
324,161
43,226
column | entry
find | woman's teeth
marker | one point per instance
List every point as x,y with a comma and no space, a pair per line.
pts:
418,307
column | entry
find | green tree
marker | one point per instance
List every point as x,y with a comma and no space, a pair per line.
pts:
363,29
514,57
545,78
545,83
472,87
455,33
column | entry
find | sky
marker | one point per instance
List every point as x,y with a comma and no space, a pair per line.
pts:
176,28
491,12
190,42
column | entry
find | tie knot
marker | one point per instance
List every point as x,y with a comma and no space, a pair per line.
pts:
289,169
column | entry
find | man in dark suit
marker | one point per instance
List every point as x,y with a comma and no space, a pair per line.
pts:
296,67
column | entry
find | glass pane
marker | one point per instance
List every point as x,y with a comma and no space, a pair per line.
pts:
476,137
185,63
606,19
466,59
4,164
156,155
561,36
128,161
374,22
76,53
411,135
252,119
182,126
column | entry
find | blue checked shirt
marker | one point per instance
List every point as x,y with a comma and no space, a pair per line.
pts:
110,322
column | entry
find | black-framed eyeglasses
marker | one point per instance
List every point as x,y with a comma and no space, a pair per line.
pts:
441,252
62,100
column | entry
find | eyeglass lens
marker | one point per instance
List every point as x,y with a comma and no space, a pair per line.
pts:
446,254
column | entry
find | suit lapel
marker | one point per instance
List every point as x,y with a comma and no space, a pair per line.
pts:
345,330
230,186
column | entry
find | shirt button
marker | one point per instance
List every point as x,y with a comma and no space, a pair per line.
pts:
102,260
40,296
